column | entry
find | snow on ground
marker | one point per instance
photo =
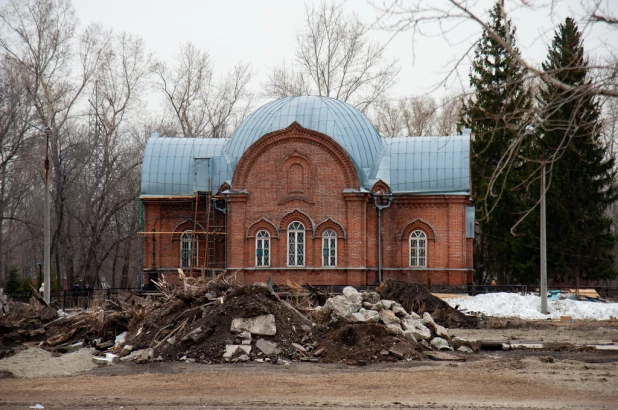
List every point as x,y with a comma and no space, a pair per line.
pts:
529,307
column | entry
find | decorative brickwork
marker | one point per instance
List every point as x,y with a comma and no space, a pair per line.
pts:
296,174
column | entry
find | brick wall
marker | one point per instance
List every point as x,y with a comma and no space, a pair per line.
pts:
301,175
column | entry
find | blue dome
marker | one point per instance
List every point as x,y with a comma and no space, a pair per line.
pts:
340,121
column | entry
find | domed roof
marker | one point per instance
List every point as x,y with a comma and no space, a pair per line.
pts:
340,121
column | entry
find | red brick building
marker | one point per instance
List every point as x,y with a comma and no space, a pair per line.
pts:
307,190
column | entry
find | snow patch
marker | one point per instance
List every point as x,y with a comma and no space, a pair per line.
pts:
529,307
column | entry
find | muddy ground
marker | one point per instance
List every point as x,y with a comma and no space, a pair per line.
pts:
551,379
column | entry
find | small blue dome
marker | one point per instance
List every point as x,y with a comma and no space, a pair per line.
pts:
340,121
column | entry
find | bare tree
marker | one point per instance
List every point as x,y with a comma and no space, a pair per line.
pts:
106,185
85,85
446,15
15,120
284,81
335,58
40,37
417,116
448,114
201,105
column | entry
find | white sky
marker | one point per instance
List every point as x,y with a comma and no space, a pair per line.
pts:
263,33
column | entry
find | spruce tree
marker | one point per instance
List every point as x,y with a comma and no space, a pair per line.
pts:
497,113
13,281
579,237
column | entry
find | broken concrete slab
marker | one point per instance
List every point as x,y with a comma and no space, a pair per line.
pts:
465,349
109,359
388,304
440,331
245,335
409,334
231,350
370,297
349,291
440,344
417,328
396,329
266,347
397,351
259,325
142,355
388,317
364,315
341,306
399,311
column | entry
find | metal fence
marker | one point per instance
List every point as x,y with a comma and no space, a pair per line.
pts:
73,298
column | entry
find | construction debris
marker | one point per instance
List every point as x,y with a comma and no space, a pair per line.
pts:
219,321
416,298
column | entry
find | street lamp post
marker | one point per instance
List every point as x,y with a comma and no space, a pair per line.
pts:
40,277
46,233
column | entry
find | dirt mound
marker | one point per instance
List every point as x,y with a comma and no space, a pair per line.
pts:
415,297
364,343
167,325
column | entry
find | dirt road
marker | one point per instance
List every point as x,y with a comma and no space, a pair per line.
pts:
551,379
492,381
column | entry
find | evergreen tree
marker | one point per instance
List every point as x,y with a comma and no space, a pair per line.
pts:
579,237
496,113
13,281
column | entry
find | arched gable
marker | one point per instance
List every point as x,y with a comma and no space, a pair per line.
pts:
380,188
296,215
262,224
187,225
418,224
297,132
330,224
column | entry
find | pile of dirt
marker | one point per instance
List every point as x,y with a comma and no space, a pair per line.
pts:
215,321
416,298
362,343
164,327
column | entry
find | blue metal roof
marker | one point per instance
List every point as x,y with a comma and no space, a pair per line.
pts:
416,165
439,165
169,166
340,121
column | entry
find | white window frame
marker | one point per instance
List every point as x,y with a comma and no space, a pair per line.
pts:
296,257
262,242
186,243
329,248
418,249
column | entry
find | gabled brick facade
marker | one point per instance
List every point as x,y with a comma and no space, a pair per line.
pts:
300,175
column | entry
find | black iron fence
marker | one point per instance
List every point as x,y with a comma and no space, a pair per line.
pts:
76,298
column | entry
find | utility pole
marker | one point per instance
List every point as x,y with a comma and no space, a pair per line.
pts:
46,234
543,244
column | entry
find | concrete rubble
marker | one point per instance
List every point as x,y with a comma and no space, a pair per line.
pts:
222,322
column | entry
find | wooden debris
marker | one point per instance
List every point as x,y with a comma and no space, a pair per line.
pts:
61,338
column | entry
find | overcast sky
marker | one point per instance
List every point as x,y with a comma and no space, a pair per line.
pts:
263,33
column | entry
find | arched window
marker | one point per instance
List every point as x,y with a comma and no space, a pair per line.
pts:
329,248
296,244
262,249
418,249
186,243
